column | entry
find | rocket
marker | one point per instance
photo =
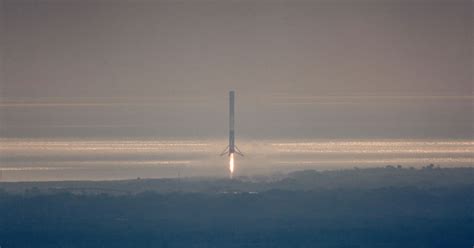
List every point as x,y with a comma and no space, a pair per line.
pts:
231,148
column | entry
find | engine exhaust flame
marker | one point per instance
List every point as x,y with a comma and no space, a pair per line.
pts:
231,165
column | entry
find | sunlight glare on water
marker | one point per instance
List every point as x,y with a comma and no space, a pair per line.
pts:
81,159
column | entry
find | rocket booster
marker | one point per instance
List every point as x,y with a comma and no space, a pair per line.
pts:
231,148
231,122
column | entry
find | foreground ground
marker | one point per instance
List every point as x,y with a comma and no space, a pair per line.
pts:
385,207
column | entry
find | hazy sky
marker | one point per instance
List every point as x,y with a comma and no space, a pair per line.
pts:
346,69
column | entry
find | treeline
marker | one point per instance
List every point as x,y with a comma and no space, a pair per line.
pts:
390,176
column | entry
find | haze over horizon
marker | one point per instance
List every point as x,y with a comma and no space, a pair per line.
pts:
319,69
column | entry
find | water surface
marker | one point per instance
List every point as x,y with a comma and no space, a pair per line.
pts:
104,159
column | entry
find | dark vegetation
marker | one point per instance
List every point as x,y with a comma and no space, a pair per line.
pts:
386,207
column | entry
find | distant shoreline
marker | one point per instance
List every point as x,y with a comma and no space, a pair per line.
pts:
430,176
